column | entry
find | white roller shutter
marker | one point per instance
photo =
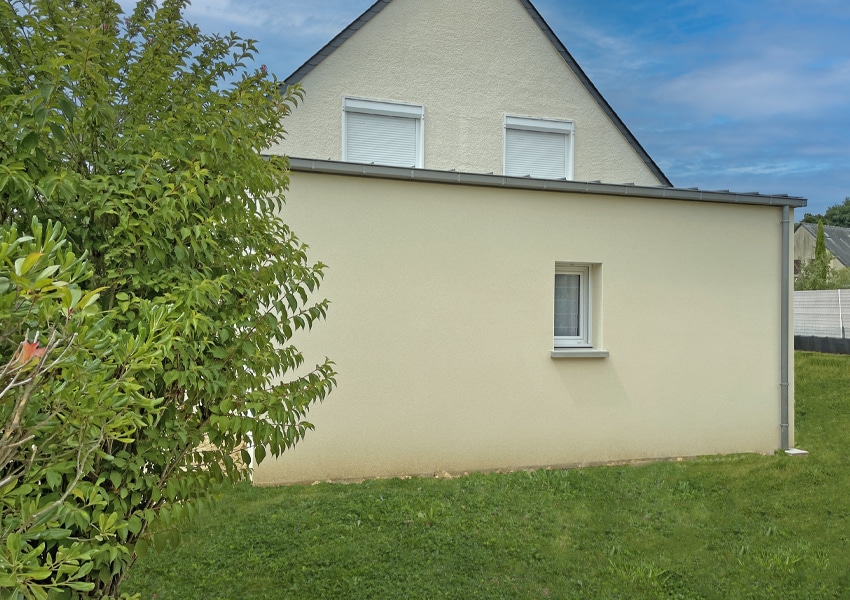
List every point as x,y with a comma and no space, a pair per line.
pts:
538,148
535,153
381,139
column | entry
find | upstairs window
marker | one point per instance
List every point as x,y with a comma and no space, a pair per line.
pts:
383,133
540,148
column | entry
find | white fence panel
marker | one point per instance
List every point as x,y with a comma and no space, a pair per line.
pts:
821,313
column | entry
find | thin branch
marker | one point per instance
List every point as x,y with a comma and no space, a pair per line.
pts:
38,517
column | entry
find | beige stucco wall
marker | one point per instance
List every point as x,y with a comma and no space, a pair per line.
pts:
441,329
469,62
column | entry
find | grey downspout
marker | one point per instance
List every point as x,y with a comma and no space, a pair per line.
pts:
785,310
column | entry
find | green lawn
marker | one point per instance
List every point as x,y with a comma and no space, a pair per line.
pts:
740,526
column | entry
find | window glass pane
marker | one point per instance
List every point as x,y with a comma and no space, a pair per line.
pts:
567,308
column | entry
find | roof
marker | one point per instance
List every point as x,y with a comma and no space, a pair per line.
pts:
547,185
378,6
837,240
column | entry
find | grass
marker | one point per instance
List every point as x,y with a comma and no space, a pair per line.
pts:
742,526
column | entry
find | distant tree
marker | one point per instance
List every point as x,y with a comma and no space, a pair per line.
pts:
817,273
837,215
820,244
143,138
840,279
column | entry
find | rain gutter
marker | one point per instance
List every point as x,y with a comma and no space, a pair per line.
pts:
332,167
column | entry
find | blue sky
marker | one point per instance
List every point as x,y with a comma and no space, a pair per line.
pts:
746,95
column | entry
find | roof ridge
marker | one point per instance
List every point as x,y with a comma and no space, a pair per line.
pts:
535,15
815,226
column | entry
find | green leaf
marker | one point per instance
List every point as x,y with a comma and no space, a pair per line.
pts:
30,141
67,106
52,533
38,593
58,132
24,264
13,544
54,479
142,547
89,298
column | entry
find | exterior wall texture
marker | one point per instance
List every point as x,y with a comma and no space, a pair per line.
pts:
441,329
469,62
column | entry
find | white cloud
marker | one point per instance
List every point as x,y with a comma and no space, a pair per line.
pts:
319,18
770,85
779,168
295,18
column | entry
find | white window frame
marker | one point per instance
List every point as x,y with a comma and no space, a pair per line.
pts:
560,126
584,339
390,109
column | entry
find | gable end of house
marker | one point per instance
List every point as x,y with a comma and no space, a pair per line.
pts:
574,67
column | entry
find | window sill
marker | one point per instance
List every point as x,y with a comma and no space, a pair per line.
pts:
579,353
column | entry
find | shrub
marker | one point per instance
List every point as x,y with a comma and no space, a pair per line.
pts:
71,400
143,138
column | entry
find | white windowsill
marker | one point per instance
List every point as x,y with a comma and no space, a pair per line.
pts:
579,353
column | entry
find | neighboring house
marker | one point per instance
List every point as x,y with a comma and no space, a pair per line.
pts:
496,300
837,244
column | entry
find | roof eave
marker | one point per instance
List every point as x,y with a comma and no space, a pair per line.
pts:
331,167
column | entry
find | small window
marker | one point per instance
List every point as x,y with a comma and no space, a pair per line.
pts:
540,148
383,133
572,306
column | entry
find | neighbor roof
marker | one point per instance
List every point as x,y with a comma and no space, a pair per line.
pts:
837,240
367,16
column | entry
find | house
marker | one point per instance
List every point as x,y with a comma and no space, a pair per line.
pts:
837,243
496,302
